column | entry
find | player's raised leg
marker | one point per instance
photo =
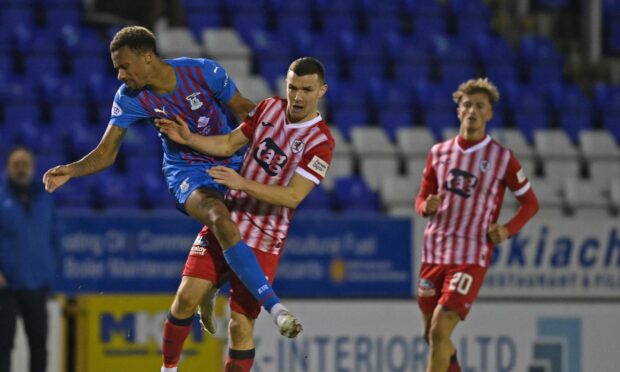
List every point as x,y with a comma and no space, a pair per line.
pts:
178,324
207,206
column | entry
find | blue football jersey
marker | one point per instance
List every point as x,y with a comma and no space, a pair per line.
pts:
203,86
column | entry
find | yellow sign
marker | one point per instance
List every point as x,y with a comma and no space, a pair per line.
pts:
122,333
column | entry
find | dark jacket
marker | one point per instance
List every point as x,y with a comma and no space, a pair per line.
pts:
28,237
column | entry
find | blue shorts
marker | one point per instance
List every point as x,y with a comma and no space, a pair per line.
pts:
184,179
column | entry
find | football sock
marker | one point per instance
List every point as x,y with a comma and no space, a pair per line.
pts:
454,364
175,333
239,360
243,262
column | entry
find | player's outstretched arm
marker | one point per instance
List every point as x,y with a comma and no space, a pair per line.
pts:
218,145
285,196
97,160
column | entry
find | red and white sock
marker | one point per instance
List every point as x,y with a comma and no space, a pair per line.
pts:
239,360
175,333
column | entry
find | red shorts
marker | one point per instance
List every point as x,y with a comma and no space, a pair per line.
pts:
206,261
453,286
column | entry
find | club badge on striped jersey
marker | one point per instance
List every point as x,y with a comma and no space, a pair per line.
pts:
484,165
194,101
297,146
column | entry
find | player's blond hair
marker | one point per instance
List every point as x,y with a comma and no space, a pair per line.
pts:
473,86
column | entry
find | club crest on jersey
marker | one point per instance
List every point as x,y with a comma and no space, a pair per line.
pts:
194,101
270,157
297,146
116,110
484,165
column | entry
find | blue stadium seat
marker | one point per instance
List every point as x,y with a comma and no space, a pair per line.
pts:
611,122
118,191
82,41
83,137
434,96
11,18
607,98
428,25
569,98
383,94
453,74
321,46
439,120
76,194
56,18
337,23
539,49
407,72
200,19
490,49
380,8
363,70
545,74
552,3
520,97
18,90
501,73
36,41
43,163
528,122
573,122
345,94
347,118
244,6
382,24
83,67
317,201
69,114
392,119
62,90
341,6
155,192
247,23
352,194
200,5
39,65
139,163
286,22
102,88
142,138
15,115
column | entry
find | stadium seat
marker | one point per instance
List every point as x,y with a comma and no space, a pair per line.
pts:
399,191
12,17
611,122
76,41
516,141
38,65
569,98
76,195
142,139
175,41
557,153
246,23
573,123
341,166
253,87
219,43
438,120
614,194
393,119
371,142
330,6
375,169
292,21
338,23
353,195
381,24
117,191
15,115
290,7
69,114
200,19
317,201
586,199
237,66
57,18
342,145
528,122
415,167
244,6
62,90
549,195
85,67
414,142
606,98
348,118
598,144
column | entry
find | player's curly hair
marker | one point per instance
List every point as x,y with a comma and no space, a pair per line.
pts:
138,39
473,86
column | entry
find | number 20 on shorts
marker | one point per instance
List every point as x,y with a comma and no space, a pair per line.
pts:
461,283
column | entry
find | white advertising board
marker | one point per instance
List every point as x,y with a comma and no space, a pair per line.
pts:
386,336
559,258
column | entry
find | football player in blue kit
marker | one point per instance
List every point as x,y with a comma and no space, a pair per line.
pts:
198,91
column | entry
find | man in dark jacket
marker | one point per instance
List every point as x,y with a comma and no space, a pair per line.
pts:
28,258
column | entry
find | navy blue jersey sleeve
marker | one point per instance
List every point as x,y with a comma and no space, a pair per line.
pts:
216,77
126,109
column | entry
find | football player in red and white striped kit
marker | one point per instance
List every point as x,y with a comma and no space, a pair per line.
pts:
461,193
289,151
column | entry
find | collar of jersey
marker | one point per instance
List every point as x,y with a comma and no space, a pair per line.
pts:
176,74
477,147
305,124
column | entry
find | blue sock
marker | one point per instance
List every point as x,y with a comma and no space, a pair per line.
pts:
243,262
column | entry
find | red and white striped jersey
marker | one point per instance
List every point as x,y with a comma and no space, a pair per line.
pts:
472,182
277,150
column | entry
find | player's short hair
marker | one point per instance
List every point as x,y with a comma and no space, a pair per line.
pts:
137,38
473,86
16,149
307,66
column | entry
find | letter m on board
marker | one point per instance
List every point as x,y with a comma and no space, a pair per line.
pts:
124,326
